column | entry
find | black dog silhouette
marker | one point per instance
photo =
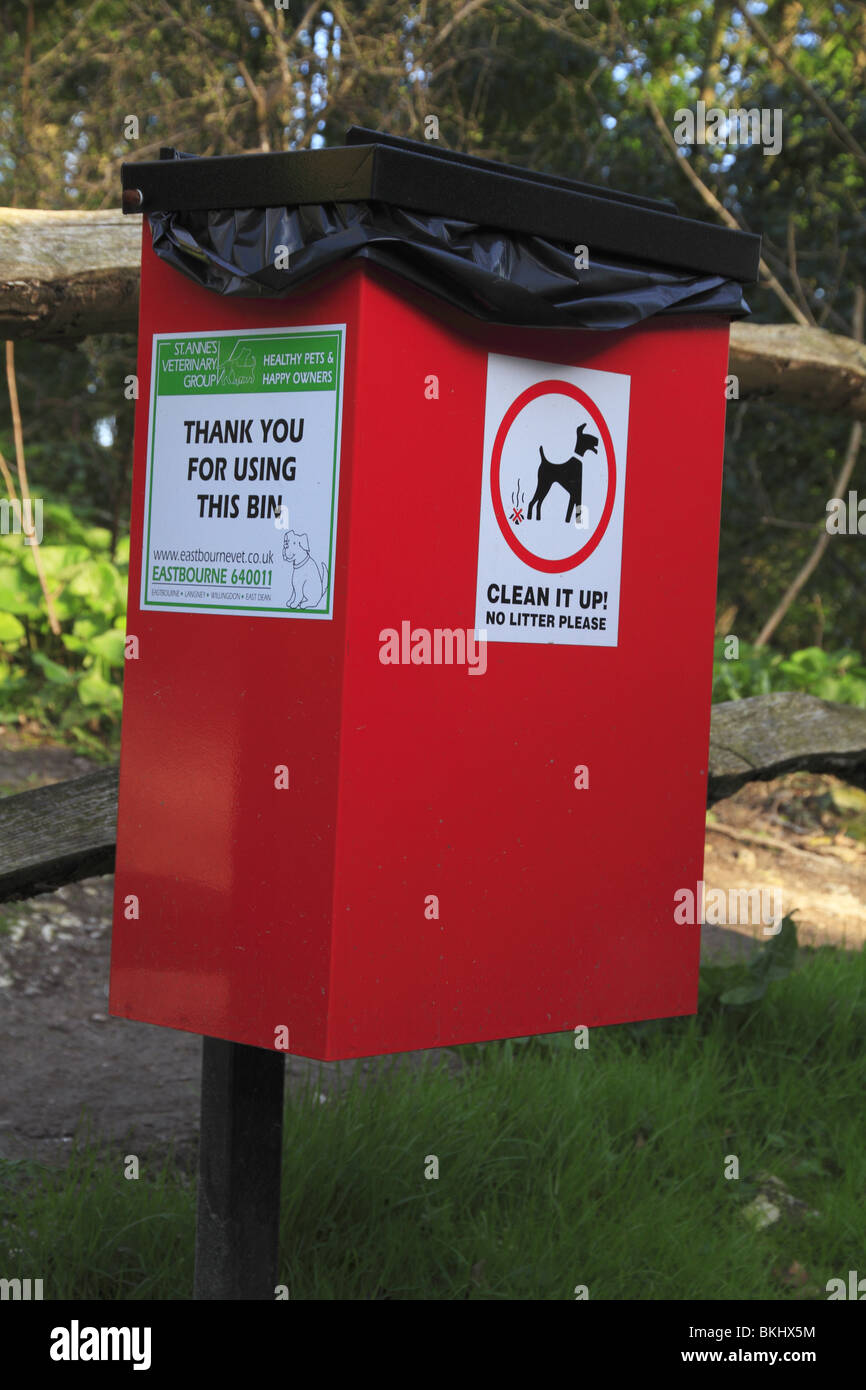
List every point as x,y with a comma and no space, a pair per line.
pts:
569,475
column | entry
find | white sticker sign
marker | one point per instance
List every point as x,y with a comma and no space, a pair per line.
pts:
550,537
243,469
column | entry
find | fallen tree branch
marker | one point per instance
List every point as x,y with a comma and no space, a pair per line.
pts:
64,275
57,834
767,735
809,366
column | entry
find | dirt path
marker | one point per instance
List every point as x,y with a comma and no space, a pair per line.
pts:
64,1059
804,835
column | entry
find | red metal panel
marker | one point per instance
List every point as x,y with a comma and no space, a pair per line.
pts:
556,905
308,907
233,876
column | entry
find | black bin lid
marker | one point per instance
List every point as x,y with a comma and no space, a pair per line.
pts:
410,174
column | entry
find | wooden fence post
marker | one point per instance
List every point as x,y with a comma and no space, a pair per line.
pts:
238,1214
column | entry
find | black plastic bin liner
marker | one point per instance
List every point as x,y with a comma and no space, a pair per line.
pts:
491,274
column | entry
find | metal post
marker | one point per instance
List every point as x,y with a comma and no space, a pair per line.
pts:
240,1148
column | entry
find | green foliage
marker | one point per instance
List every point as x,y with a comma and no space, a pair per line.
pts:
71,681
838,675
774,961
77,422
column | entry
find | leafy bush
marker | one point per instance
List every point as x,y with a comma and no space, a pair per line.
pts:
839,675
71,681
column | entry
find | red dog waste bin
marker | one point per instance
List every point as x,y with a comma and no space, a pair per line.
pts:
416,714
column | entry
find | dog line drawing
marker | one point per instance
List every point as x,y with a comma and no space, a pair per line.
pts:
569,475
309,578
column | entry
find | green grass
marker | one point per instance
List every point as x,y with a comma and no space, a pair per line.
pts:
557,1167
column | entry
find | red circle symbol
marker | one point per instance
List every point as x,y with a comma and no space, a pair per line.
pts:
552,388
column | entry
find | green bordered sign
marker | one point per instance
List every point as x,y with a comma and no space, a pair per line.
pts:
243,472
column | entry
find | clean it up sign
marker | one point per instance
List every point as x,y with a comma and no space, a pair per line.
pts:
550,538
